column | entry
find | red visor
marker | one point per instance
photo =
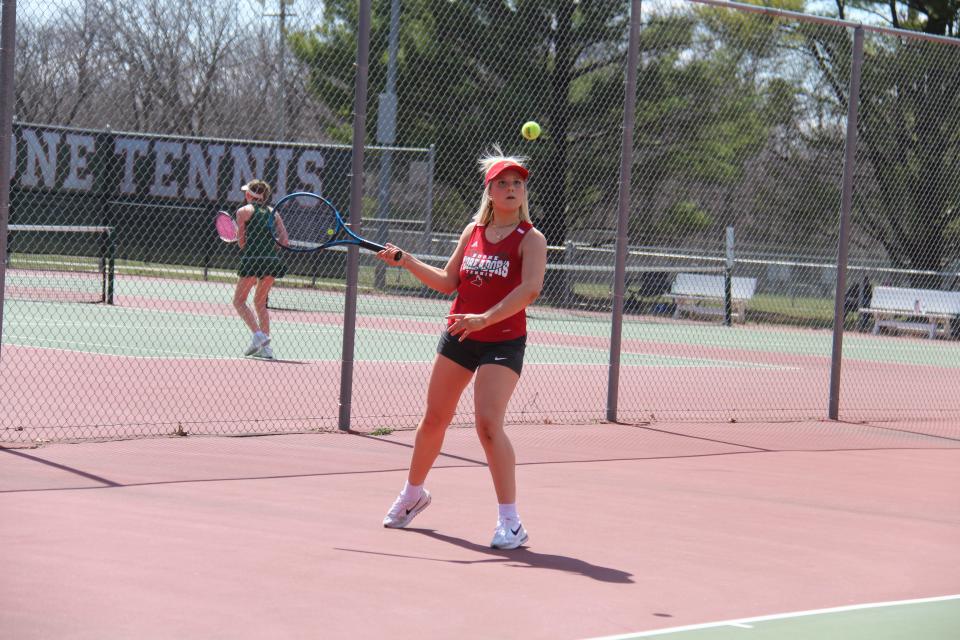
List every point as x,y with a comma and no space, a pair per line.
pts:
502,166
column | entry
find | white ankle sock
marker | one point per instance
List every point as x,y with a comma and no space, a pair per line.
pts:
411,492
508,512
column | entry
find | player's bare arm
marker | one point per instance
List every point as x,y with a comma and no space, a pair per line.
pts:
243,216
281,231
444,280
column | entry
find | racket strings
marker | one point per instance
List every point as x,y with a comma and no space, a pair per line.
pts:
310,222
226,227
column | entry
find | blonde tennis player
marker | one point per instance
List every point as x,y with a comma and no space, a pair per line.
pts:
496,270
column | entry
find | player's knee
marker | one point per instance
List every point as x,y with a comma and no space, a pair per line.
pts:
489,427
434,422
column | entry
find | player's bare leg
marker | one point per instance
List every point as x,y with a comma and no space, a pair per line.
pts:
260,302
240,302
447,382
492,391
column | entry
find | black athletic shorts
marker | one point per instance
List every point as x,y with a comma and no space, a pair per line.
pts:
470,354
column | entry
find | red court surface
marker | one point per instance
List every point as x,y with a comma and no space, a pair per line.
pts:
632,528
126,397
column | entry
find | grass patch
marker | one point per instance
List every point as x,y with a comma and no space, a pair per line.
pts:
802,311
382,431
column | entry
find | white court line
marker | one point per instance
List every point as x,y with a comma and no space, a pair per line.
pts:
681,361
179,315
142,353
176,355
146,353
308,328
745,622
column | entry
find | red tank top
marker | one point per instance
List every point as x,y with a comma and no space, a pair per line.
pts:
489,271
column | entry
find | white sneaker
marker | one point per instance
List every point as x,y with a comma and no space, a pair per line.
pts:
258,341
509,535
265,352
401,513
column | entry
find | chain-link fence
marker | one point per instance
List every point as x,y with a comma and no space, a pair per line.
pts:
136,120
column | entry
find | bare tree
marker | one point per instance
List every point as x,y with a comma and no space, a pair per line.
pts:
57,71
189,67
168,56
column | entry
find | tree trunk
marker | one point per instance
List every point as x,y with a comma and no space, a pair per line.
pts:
928,189
552,188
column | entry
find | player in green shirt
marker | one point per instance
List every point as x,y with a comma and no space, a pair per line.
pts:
260,263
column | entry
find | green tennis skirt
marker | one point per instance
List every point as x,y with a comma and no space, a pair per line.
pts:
261,267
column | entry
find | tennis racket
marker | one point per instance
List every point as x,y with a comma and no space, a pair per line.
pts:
226,226
313,223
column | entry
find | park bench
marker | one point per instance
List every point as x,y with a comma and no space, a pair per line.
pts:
904,309
704,294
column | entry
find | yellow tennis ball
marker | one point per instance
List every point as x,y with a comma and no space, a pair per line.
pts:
530,130
330,232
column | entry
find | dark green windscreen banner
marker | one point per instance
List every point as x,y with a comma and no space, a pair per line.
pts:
160,193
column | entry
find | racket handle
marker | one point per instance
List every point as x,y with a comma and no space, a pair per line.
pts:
373,246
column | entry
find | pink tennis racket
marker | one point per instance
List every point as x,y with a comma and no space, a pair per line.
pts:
226,226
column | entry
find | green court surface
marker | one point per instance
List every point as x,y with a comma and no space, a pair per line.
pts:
924,619
803,342
157,333
202,332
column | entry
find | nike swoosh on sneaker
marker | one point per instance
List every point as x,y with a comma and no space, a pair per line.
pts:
415,505
516,531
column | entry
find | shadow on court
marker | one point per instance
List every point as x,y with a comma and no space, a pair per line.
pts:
521,558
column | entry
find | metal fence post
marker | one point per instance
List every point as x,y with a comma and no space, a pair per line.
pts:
8,40
356,212
849,166
428,221
387,135
728,281
623,211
